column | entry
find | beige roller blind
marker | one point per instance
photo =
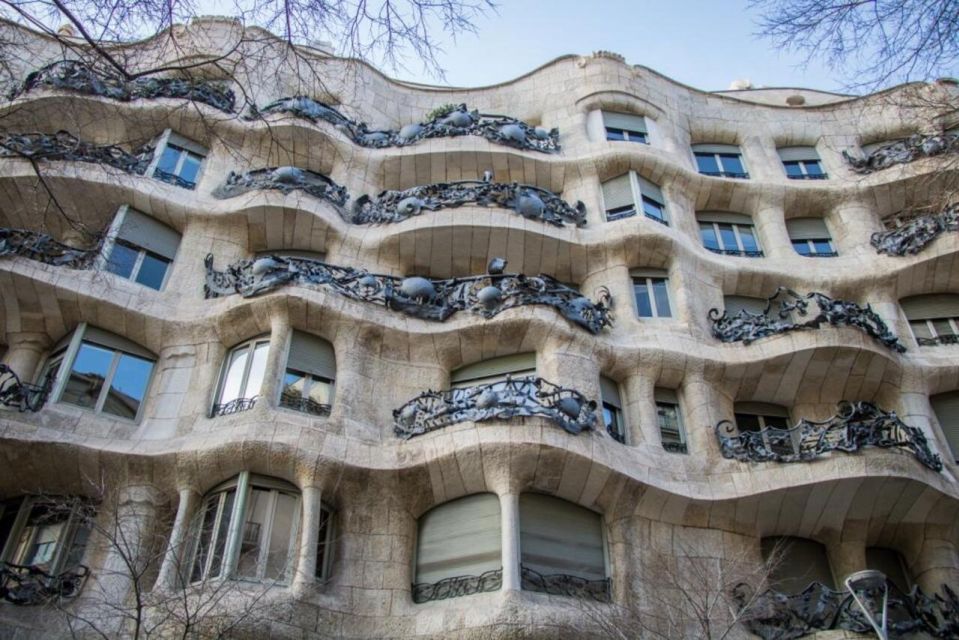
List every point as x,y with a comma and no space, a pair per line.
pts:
610,391
890,563
560,537
113,341
929,307
807,228
800,562
618,192
946,406
797,153
518,363
312,354
651,190
459,538
715,148
735,304
724,217
626,121
144,231
762,409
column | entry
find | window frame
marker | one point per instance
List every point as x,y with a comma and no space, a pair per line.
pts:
640,197
65,542
661,401
763,415
640,136
653,304
738,251
717,156
811,244
617,411
250,344
309,378
804,170
170,138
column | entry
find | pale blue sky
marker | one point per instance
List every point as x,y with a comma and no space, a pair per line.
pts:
703,43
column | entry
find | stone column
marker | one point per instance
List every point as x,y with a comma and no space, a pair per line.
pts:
509,510
305,573
936,565
176,554
26,348
280,333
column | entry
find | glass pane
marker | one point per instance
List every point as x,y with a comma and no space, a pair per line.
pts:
615,134
920,329
322,549
643,305
732,163
86,378
813,168
122,260
294,384
802,247
219,546
747,422
653,209
205,535
776,421
284,524
128,386
320,392
823,246
668,417
612,421
748,238
190,168
942,326
152,271
169,159
708,234
620,212
728,237
706,162
660,290
793,170
637,136
257,369
39,539
234,375
255,531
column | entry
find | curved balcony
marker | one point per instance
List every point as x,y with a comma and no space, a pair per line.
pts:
65,146
20,395
903,152
43,248
285,180
909,233
30,585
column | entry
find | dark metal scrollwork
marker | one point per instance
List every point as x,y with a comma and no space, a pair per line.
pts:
73,75
856,425
561,584
459,586
285,179
304,405
31,585
434,300
65,146
746,327
458,121
22,396
43,248
903,151
908,234
236,405
514,397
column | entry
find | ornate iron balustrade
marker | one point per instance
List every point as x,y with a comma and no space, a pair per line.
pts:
65,146
911,232
73,75
903,152
740,253
528,201
856,425
434,300
237,405
739,175
675,447
459,586
304,405
286,180
458,121
22,396
43,248
561,584
31,585
514,397
777,616
945,339
746,327
808,176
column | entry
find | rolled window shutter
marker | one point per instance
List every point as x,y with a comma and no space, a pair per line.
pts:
626,121
648,273
716,148
459,538
735,304
558,537
651,190
610,392
946,406
762,409
724,217
807,228
113,341
311,354
929,307
144,231
668,396
801,562
515,363
889,562
618,192
185,143
787,154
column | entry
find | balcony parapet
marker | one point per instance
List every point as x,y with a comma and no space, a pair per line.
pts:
855,426
434,300
526,200
65,146
22,396
747,327
237,405
448,122
903,152
561,584
514,397
43,248
458,586
909,233
32,585
285,180
73,75
778,616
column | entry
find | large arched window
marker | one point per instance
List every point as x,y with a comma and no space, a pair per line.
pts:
794,563
933,318
242,377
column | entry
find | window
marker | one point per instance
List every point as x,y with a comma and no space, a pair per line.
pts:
242,377
106,373
720,160
891,564
946,408
139,248
802,163
177,160
730,234
612,409
252,536
757,416
458,539
310,372
625,126
795,563
934,318
810,237
558,538
494,370
671,432
651,288
621,195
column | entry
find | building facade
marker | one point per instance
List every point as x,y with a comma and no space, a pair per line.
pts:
560,357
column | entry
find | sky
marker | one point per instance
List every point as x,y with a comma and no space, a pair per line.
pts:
703,43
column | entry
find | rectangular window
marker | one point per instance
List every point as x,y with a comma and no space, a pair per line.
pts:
719,160
727,238
810,237
177,161
625,127
668,417
140,248
621,195
772,421
612,409
310,372
106,379
801,163
652,296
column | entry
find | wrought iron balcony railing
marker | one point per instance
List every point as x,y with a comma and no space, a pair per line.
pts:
43,248
65,146
944,339
739,175
514,397
459,586
903,152
73,75
740,253
32,585
434,300
304,405
778,616
286,180
447,123
561,584
675,447
855,426
525,200
22,396
174,179
237,405
909,233
808,176
747,327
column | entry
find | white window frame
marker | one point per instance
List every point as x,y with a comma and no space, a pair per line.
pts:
742,252
170,138
65,541
717,156
652,298
822,175
112,238
811,243
638,196
250,344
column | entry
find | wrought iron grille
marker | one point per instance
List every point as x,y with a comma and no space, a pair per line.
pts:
740,175
675,447
514,397
434,300
31,585
561,584
746,327
43,248
742,253
22,396
910,232
286,180
459,586
945,339
174,179
65,146
305,405
902,152
856,425
236,405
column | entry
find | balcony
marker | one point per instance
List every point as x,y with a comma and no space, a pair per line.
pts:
285,180
32,585
910,232
458,586
22,396
43,248
903,152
